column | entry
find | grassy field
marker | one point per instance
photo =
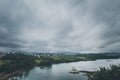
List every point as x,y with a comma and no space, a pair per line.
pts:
2,62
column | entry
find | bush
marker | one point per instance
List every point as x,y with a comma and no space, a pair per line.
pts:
113,73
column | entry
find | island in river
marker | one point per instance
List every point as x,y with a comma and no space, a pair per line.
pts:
12,63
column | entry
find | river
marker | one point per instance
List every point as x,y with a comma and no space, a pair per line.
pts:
61,71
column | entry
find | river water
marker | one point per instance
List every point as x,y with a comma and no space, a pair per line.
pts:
61,71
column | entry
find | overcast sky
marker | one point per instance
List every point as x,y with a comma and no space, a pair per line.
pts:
60,25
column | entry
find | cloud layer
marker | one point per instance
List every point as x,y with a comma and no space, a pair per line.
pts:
60,25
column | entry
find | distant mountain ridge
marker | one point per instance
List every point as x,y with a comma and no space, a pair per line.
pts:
62,53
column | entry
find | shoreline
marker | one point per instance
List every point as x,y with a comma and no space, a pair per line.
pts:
89,73
6,76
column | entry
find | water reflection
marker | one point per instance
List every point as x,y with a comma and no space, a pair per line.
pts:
61,71
20,75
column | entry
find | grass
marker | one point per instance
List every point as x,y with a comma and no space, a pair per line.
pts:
2,62
38,61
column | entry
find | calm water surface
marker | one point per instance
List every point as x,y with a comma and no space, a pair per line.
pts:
61,71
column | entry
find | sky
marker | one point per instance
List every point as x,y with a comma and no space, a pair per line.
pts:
60,25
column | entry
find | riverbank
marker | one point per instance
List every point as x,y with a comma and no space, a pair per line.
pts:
64,68
14,62
6,76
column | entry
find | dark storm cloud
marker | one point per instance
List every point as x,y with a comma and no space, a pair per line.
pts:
60,25
11,19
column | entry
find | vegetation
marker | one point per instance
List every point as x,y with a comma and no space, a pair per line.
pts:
112,73
100,56
12,62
